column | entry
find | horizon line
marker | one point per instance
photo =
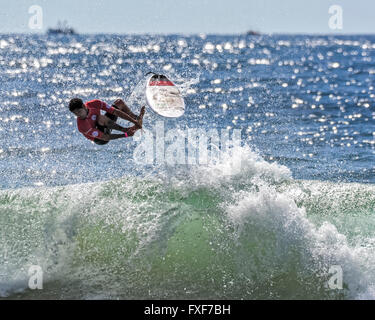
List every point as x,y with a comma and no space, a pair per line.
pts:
194,34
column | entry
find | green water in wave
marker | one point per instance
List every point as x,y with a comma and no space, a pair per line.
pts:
137,238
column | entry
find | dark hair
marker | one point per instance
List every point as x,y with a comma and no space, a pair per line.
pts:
75,103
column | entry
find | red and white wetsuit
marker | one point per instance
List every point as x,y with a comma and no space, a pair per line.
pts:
88,126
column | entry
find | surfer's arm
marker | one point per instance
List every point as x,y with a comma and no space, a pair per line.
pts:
125,116
113,136
128,132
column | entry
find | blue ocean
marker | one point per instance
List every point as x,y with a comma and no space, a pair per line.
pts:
285,211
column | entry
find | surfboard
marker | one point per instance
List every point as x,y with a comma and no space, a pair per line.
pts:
164,97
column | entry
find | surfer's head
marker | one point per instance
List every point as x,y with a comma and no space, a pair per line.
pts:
78,108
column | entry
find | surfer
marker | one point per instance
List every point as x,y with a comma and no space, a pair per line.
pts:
97,127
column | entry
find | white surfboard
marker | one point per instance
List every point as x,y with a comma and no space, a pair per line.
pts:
164,97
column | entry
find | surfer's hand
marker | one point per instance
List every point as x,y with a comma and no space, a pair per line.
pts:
130,131
138,124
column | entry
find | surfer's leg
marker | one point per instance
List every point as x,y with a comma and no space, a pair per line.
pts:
119,103
141,114
108,123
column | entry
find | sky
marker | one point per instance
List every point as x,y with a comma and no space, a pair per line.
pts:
189,16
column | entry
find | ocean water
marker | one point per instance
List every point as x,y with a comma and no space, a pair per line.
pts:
268,221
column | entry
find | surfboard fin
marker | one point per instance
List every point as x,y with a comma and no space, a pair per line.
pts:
150,72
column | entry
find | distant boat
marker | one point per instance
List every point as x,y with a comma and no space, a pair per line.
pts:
62,28
252,33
